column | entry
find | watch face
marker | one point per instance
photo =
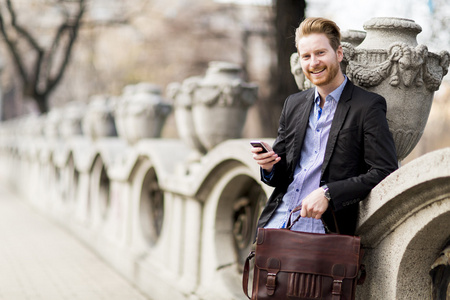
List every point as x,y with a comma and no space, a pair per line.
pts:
326,192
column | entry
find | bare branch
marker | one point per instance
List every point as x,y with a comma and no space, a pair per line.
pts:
12,48
72,30
115,22
22,30
31,80
51,53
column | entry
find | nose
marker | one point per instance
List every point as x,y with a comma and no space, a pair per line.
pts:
314,60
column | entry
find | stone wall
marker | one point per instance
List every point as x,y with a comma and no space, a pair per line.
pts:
405,225
181,230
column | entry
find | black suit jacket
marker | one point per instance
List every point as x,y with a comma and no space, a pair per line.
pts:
360,152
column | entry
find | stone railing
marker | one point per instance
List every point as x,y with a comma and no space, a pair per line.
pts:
177,217
181,230
176,231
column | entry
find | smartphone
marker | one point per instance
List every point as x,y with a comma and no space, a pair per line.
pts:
260,145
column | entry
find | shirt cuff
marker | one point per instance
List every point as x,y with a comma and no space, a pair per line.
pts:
265,175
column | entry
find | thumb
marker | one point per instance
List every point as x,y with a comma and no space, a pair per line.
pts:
303,212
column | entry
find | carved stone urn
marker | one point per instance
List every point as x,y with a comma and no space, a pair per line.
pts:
73,116
120,110
296,69
145,112
183,98
354,37
221,102
391,63
99,120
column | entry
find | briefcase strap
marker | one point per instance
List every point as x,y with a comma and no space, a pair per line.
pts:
298,208
246,273
362,269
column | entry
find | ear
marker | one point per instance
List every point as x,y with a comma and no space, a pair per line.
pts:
340,53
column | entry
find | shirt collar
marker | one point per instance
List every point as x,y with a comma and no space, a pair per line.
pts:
336,94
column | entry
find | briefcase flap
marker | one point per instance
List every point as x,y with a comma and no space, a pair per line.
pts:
331,255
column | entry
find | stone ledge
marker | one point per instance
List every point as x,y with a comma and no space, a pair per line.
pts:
411,188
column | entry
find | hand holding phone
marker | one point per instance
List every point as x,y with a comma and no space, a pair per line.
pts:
265,161
259,144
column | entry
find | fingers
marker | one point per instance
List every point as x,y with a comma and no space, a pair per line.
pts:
265,160
256,150
267,164
311,213
314,205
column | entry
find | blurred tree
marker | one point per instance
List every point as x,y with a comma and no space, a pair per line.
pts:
288,15
41,68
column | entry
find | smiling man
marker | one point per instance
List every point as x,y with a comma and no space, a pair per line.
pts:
333,144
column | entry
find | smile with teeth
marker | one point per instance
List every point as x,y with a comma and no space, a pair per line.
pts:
317,71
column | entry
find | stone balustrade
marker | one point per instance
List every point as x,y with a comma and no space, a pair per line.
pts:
177,229
180,229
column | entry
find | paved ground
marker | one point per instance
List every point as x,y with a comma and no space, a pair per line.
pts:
41,261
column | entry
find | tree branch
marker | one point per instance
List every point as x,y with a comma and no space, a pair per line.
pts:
13,49
30,82
22,30
72,30
51,54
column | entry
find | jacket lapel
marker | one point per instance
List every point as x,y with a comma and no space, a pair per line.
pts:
303,112
338,120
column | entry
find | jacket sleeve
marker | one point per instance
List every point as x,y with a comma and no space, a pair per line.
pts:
379,157
279,175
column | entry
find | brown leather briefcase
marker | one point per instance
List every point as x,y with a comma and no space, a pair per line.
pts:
297,265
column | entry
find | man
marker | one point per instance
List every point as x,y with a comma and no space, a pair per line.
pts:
333,144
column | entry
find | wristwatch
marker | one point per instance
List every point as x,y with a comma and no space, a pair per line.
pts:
326,192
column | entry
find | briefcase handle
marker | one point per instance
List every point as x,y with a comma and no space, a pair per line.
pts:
246,273
298,208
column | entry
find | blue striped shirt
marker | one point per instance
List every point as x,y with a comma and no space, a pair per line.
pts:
308,169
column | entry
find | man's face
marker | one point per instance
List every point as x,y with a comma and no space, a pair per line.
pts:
320,63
